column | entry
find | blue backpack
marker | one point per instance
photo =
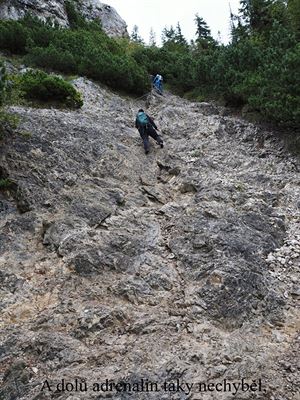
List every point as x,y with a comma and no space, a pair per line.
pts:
142,119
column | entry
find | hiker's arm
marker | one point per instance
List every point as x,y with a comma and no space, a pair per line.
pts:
136,124
152,123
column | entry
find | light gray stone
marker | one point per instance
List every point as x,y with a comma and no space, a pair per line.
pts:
111,22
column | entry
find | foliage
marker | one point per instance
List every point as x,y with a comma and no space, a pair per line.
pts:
255,13
269,50
152,38
277,99
38,85
259,68
173,39
203,31
75,19
85,49
13,36
179,38
294,15
135,36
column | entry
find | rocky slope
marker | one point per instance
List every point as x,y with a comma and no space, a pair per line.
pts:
180,265
111,22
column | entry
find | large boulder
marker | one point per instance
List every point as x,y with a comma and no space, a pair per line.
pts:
111,22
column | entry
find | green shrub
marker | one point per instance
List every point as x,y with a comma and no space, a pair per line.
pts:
84,49
13,36
259,68
230,66
278,99
273,86
38,85
75,19
52,58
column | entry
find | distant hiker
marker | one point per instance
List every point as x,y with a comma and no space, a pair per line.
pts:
146,127
158,83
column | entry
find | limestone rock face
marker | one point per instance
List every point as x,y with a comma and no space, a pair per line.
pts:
16,9
182,264
111,22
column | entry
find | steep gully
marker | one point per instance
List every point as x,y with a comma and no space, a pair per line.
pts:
182,264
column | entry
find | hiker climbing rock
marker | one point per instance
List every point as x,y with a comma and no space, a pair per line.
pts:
158,83
146,127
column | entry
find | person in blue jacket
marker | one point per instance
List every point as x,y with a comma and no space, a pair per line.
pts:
158,83
147,127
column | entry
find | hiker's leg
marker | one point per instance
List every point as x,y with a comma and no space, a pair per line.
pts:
152,132
145,138
159,139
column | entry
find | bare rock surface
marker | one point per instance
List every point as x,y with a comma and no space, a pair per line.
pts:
180,265
110,20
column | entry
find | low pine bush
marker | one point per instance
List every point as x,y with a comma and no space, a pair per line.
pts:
84,49
38,85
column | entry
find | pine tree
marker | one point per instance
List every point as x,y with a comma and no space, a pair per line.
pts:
255,13
179,38
152,38
238,30
203,31
135,37
204,39
258,16
168,35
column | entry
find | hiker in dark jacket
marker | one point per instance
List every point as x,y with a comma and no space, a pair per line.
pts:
146,127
